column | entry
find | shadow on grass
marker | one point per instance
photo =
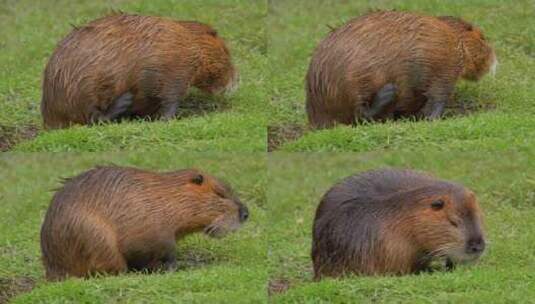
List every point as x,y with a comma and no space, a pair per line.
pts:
197,103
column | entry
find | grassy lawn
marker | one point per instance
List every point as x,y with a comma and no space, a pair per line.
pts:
486,142
30,30
494,111
232,269
505,186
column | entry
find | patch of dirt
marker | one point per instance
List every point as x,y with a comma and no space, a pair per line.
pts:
277,286
9,136
281,134
11,287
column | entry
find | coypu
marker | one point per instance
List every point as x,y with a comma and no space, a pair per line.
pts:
394,222
132,66
389,64
114,219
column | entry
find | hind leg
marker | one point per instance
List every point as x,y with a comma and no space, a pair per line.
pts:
120,107
108,262
384,98
96,250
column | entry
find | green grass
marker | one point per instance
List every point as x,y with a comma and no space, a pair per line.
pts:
504,183
214,270
30,31
505,102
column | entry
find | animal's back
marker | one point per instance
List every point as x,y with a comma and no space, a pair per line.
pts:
374,185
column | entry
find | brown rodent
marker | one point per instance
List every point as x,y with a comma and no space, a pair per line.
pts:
392,64
394,222
114,219
128,65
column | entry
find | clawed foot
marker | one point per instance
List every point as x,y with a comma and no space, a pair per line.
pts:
168,110
434,110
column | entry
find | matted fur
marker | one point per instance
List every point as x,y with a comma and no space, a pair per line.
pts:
112,219
151,60
423,56
381,222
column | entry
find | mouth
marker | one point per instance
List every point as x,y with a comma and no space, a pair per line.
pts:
218,231
461,257
215,232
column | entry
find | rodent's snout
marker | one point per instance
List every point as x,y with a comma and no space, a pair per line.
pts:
475,245
243,213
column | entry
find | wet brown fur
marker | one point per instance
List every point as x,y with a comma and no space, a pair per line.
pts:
114,219
381,223
154,59
423,56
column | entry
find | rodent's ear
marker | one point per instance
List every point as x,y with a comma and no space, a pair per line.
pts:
198,179
437,205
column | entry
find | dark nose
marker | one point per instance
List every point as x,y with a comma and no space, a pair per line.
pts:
475,245
244,213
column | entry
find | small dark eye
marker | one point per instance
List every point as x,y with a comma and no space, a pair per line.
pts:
198,179
437,205
453,223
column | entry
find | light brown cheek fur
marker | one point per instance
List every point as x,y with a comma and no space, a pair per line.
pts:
438,233
413,237
220,212
398,258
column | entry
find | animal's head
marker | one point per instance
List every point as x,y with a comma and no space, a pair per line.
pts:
447,222
211,203
479,56
217,73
